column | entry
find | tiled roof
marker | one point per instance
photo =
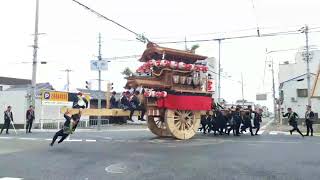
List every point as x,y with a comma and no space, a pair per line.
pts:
14,81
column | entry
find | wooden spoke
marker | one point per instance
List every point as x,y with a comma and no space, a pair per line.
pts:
183,124
158,127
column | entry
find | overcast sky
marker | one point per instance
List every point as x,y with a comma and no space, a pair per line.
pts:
71,35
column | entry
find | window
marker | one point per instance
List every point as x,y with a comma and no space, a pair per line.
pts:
302,92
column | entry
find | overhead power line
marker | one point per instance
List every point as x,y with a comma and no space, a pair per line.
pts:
237,37
140,37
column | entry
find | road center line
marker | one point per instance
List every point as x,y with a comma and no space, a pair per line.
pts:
74,140
28,138
91,140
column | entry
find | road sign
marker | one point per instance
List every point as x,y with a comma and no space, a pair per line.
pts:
97,65
261,97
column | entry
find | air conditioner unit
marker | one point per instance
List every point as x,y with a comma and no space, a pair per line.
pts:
293,99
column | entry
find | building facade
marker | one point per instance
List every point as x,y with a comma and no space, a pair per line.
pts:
293,88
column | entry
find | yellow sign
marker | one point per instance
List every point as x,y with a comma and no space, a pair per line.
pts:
55,96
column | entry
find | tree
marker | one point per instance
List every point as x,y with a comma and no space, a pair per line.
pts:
194,47
127,72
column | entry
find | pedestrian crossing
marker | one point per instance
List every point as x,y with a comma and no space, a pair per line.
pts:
10,178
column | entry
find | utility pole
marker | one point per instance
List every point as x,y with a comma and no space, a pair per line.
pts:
185,43
99,82
68,78
306,29
242,89
219,72
35,54
274,93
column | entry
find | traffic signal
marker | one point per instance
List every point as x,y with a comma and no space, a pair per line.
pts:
88,85
110,87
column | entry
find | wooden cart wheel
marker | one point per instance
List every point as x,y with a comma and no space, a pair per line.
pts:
158,126
182,124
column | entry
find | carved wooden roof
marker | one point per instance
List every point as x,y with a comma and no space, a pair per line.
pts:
154,51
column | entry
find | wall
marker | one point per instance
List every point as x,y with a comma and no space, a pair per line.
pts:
299,106
18,101
289,71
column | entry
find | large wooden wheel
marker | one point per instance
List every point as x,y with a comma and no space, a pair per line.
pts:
157,126
182,124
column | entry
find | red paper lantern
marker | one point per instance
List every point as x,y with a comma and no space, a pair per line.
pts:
147,94
173,64
189,67
158,94
164,94
197,68
181,65
152,62
205,68
158,62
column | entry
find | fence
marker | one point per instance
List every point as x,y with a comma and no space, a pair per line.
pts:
58,123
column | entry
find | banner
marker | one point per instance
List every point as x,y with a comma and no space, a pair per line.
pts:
56,98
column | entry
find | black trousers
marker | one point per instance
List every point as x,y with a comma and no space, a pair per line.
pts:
295,128
29,125
309,127
234,128
6,126
59,133
139,108
204,127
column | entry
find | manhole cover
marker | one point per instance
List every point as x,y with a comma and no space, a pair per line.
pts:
116,168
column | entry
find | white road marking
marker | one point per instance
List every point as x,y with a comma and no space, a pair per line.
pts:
6,137
116,168
266,125
273,132
48,139
124,130
28,139
10,178
91,140
74,140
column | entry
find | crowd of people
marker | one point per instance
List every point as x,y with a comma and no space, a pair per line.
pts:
129,101
237,120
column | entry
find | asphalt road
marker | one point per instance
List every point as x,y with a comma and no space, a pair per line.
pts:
137,154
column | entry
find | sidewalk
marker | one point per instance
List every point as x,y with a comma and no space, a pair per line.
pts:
286,128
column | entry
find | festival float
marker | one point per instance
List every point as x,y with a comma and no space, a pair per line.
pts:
176,89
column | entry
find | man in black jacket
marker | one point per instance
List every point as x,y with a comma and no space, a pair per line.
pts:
113,101
136,104
69,127
29,117
257,120
8,117
292,117
309,120
205,120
